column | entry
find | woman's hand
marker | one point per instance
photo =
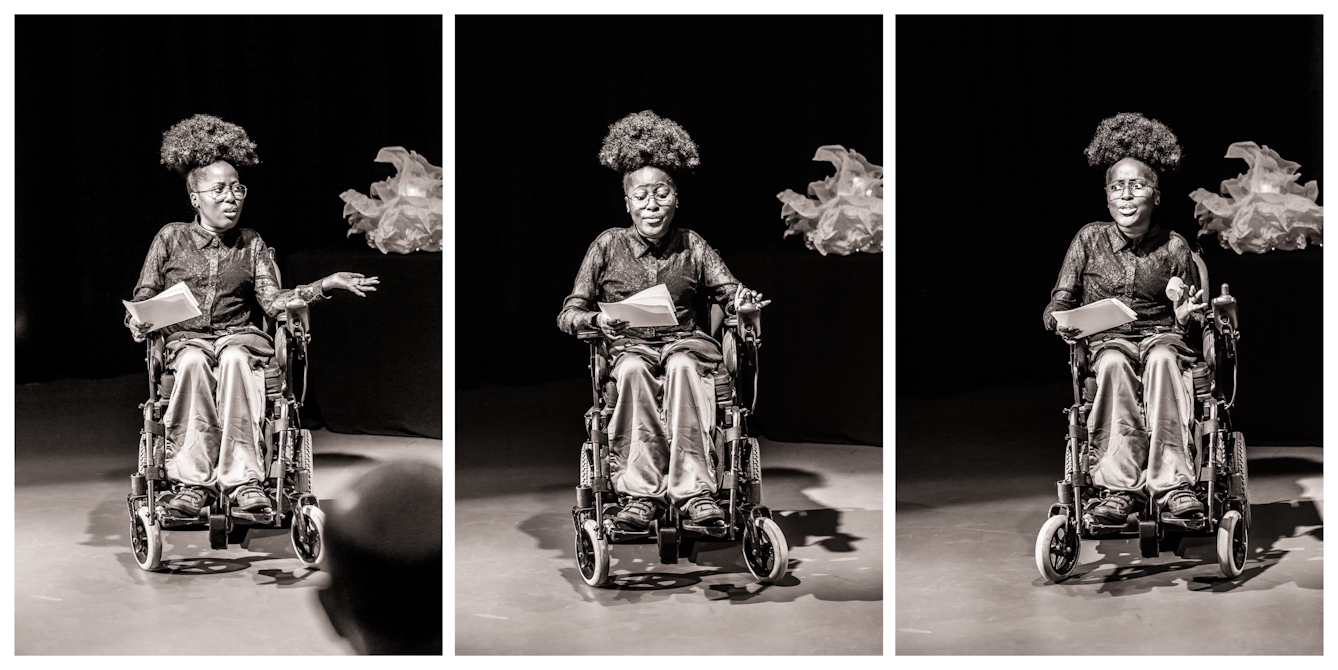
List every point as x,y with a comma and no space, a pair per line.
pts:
138,331
610,326
1188,304
749,300
351,282
1070,335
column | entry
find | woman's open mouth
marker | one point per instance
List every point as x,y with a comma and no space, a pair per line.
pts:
1128,210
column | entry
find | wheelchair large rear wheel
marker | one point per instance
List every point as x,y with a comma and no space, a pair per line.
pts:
308,536
592,554
1233,544
146,540
1057,548
765,551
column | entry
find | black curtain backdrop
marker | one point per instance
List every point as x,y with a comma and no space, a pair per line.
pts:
992,116
759,95
319,95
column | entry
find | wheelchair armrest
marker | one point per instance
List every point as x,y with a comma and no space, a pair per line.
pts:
588,334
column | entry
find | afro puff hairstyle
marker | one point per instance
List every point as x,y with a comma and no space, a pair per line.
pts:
646,139
202,140
1132,135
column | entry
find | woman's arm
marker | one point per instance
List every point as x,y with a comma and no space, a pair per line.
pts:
150,284
1068,288
269,293
578,308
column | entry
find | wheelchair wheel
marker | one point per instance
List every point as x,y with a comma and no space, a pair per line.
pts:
1057,548
666,540
307,533
1233,543
146,540
1149,543
1242,462
592,554
765,551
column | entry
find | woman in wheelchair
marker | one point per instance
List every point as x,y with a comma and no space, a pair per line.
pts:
660,434
212,421
1133,259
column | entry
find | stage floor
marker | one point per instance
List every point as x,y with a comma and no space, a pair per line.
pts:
966,528
77,589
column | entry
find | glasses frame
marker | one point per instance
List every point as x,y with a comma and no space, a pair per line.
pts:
665,201
221,196
1128,185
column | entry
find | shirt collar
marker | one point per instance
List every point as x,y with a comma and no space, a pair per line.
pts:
1149,239
202,237
641,246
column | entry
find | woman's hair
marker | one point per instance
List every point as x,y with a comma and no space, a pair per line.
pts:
645,139
202,140
1132,135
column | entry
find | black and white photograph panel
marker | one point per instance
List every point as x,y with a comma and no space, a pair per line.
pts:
228,342
1109,337
641,466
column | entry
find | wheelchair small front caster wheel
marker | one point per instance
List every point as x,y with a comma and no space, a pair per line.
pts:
1148,542
308,536
1057,548
592,554
1233,544
666,540
765,550
218,531
146,540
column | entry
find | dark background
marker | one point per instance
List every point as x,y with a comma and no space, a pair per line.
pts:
993,114
759,95
319,95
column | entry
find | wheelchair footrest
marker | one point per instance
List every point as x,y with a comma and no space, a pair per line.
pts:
1101,529
200,522
262,517
1200,523
713,530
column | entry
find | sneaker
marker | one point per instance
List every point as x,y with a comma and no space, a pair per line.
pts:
1115,508
703,509
187,502
636,514
250,497
1183,504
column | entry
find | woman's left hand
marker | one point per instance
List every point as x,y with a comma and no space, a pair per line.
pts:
1188,304
749,301
351,282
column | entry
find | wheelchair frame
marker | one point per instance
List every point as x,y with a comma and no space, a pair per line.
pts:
764,546
1220,455
287,459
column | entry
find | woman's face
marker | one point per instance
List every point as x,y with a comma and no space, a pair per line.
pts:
217,214
651,201
1131,194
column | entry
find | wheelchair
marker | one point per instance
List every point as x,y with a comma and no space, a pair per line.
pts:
736,453
286,457
1220,454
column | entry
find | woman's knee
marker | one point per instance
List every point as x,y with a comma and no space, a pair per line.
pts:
190,359
631,368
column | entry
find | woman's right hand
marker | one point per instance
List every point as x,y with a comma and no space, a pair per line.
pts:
610,326
139,331
1070,335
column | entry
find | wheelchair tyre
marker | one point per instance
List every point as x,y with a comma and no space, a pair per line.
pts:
218,531
146,540
1057,548
308,536
666,540
1243,464
765,551
1233,544
592,554
1149,544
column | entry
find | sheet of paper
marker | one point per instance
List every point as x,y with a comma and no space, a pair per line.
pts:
1096,317
651,307
170,307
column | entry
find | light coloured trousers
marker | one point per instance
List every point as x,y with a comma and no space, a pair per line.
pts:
1131,453
660,434
213,418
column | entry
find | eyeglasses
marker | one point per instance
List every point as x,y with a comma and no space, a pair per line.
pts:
641,197
1138,186
220,192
